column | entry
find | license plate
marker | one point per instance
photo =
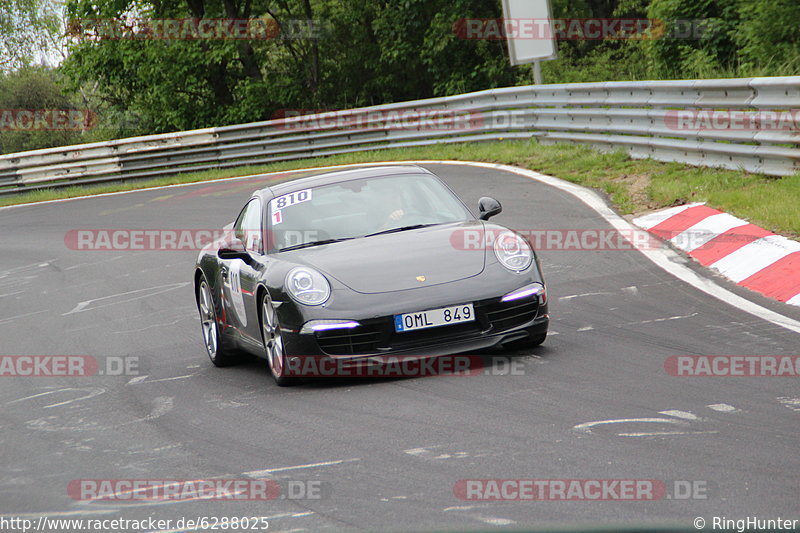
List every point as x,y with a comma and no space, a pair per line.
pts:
434,317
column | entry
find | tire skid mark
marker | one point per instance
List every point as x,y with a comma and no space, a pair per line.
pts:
150,291
92,392
161,406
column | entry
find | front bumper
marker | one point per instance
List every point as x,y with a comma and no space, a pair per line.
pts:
496,322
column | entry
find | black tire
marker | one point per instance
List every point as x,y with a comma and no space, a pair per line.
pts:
272,340
210,327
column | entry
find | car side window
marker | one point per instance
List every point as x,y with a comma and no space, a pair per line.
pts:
248,226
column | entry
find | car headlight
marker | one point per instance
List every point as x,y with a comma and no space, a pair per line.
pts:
512,251
307,286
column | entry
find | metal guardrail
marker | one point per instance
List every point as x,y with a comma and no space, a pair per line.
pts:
639,117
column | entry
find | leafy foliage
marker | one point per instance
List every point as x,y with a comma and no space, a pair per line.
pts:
767,36
367,52
32,88
30,30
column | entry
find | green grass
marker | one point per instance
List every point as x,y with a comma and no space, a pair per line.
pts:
632,185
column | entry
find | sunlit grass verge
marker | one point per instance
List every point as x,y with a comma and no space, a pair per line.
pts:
632,185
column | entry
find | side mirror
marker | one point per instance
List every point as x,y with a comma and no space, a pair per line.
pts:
234,250
488,207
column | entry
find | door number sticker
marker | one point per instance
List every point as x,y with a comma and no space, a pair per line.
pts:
235,287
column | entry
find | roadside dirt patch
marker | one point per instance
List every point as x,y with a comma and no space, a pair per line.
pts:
637,187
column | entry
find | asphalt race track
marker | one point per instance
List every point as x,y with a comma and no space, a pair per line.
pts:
384,454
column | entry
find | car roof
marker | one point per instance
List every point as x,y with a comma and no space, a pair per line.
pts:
337,176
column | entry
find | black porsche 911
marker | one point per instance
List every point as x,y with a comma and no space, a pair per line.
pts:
360,264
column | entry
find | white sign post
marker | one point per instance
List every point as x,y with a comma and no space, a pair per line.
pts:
529,33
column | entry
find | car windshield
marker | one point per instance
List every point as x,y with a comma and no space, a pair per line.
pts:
360,208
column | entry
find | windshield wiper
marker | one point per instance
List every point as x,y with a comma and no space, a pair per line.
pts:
403,228
329,241
314,243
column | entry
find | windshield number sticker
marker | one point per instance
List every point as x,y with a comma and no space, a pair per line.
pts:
287,200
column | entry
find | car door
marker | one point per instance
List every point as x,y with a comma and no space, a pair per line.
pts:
239,279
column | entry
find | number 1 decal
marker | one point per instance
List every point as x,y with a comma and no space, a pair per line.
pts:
287,200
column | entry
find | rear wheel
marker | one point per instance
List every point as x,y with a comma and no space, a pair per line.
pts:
272,336
208,321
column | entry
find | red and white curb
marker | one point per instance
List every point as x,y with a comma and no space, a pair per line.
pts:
742,252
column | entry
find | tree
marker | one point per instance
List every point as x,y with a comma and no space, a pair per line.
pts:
184,83
32,93
767,37
31,32
361,52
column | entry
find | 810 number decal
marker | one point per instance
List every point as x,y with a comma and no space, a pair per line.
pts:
288,200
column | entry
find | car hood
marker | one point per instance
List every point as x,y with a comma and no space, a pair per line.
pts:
399,261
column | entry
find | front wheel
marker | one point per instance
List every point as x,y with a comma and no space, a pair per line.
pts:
208,321
272,337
